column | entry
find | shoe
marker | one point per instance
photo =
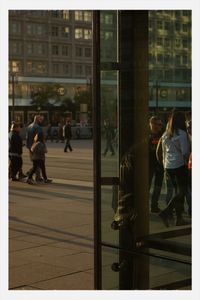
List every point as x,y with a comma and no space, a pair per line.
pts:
48,180
155,210
30,181
164,218
38,180
22,176
65,151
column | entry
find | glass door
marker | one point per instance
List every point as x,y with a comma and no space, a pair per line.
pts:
133,249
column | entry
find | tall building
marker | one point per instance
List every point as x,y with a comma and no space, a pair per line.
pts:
49,47
55,47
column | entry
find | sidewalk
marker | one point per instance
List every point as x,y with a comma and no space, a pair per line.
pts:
51,225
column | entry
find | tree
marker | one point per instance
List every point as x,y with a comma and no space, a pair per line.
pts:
44,93
83,97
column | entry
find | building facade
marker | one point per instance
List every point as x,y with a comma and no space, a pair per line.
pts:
54,47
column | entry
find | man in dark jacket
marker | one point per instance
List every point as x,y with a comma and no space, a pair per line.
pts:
109,136
15,151
67,133
155,169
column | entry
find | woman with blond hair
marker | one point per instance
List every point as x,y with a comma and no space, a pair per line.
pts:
175,148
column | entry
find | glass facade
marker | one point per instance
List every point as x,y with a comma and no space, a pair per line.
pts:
136,249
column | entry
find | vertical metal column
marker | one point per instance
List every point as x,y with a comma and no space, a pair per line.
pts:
96,100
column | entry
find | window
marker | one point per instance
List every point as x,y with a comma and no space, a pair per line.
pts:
167,42
65,14
55,68
55,13
79,51
108,35
88,52
87,34
166,58
65,50
109,19
167,25
54,31
78,33
79,70
185,27
79,15
185,43
65,32
177,26
185,59
41,67
160,58
15,66
55,50
159,25
30,48
87,16
35,29
178,60
177,43
15,28
66,69
40,49
159,41
88,70
15,47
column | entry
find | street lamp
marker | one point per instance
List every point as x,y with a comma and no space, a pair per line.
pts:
13,80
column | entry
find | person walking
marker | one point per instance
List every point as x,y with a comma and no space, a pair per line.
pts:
156,170
38,150
33,129
175,146
109,136
15,152
67,133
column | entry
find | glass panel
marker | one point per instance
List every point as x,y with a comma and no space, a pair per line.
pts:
109,124
109,196
163,273
110,279
108,36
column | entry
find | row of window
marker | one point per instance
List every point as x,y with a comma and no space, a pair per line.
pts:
42,49
79,15
167,42
171,13
58,68
35,29
170,25
172,75
168,59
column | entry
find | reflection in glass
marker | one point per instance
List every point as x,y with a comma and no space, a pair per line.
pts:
108,36
109,124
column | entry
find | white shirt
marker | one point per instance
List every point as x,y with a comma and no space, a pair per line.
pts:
175,149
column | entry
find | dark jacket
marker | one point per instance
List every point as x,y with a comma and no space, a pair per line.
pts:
153,142
32,130
15,144
67,131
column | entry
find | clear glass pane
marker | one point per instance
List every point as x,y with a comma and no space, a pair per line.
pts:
109,124
108,36
109,196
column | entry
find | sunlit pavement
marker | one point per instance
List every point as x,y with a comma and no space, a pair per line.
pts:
51,225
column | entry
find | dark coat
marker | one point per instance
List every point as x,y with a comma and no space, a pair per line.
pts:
15,143
67,131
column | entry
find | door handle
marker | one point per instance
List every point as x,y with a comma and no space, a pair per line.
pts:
116,267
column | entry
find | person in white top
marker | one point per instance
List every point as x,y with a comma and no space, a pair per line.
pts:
175,147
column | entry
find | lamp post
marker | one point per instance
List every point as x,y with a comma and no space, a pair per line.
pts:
13,80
